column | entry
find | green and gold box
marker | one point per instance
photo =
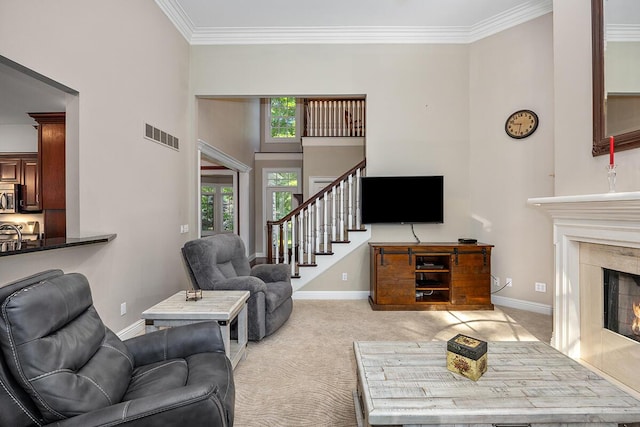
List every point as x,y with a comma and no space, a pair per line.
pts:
467,356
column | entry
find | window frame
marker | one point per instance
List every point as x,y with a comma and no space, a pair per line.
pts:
266,114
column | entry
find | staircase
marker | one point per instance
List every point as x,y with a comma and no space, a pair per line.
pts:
320,231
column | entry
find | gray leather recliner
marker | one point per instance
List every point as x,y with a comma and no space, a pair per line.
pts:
219,262
60,365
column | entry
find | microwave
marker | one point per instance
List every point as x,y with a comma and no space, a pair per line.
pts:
9,198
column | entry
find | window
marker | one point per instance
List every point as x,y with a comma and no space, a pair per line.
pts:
216,203
283,119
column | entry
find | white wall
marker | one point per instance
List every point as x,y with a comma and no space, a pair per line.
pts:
130,66
505,172
18,139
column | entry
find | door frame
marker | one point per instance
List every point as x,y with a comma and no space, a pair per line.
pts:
265,172
240,181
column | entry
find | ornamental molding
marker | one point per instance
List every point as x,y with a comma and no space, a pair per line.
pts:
351,35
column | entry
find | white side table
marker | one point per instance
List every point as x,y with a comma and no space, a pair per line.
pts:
221,306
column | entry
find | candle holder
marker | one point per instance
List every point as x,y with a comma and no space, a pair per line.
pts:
611,175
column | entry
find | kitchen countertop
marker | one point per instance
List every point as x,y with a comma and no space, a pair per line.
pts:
58,243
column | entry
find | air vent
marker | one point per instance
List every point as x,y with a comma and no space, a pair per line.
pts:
156,135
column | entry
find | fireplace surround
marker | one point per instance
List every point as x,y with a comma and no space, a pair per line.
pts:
592,233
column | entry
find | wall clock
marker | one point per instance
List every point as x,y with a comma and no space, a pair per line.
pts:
521,124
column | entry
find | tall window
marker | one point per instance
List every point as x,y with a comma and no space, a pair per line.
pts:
216,203
283,120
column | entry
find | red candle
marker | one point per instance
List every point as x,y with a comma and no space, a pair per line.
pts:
611,144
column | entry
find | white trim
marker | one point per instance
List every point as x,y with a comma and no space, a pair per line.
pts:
221,157
277,156
241,198
522,305
133,330
351,35
330,295
332,141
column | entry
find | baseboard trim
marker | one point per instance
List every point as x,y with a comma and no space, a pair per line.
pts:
134,329
337,295
352,295
522,305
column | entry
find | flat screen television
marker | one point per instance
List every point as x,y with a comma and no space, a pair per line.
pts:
402,199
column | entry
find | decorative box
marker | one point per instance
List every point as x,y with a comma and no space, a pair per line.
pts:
467,356
193,294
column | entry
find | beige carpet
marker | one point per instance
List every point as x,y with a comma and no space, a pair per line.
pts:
303,375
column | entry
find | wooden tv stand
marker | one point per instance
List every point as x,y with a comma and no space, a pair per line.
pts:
430,276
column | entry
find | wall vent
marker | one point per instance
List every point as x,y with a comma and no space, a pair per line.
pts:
156,135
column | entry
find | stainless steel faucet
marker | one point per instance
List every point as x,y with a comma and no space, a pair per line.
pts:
12,227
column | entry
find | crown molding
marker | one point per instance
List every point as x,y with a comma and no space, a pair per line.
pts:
351,35
509,18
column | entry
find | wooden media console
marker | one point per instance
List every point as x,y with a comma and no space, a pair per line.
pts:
430,276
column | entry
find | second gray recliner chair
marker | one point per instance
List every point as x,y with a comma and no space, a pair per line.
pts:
219,262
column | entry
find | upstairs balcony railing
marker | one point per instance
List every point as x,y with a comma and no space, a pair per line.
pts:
335,117
312,228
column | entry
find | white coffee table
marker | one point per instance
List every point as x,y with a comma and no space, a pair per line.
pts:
527,383
222,306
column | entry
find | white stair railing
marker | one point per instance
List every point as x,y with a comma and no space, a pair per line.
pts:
313,227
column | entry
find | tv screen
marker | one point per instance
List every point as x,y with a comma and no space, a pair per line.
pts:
402,199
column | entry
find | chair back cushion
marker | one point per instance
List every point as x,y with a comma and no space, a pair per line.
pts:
58,349
215,258
16,407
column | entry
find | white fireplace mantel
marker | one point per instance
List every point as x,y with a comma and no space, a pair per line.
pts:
608,219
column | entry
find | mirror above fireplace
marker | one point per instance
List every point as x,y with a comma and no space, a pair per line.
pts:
616,81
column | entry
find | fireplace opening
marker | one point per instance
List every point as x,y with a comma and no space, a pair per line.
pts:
622,303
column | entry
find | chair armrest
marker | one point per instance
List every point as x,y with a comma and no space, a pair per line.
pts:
179,341
241,283
272,272
193,405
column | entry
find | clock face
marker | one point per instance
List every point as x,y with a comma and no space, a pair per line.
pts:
521,124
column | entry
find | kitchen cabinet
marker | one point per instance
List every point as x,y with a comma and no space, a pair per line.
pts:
30,198
10,169
52,180
23,169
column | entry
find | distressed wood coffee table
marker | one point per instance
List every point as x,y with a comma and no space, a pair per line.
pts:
221,306
527,383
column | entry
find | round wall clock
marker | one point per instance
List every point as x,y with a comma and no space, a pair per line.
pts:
521,124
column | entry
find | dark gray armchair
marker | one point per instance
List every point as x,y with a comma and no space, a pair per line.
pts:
219,262
60,365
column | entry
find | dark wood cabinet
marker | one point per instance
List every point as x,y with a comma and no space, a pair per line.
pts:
23,169
30,181
10,169
430,276
52,182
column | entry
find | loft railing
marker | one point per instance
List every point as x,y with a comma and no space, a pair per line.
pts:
334,117
313,227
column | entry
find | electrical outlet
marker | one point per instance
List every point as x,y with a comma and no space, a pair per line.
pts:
496,281
541,287
509,282
123,309
344,276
